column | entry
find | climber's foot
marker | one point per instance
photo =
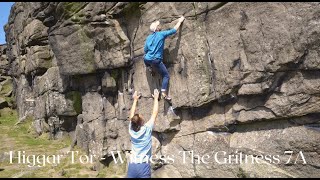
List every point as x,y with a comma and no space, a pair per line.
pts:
166,97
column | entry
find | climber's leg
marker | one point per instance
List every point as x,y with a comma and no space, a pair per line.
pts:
149,66
147,63
165,77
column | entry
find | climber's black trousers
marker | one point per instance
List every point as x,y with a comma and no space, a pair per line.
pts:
158,64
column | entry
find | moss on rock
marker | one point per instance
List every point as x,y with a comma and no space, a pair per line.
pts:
70,8
76,99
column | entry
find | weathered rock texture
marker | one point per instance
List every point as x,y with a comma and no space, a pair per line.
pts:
6,95
245,77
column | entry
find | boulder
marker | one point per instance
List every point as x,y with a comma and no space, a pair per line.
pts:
244,78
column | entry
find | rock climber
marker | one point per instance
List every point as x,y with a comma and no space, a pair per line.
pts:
153,50
141,142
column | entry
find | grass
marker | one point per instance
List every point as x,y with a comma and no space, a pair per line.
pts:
22,137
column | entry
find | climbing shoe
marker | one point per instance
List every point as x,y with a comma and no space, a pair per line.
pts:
166,97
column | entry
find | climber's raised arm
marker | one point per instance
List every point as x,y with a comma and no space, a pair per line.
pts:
181,19
135,97
172,30
155,108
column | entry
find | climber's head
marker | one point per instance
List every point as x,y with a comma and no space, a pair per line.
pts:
155,26
136,122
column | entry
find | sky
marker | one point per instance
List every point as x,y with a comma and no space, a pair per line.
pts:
4,15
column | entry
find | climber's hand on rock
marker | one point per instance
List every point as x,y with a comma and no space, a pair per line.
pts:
155,94
181,19
136,96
